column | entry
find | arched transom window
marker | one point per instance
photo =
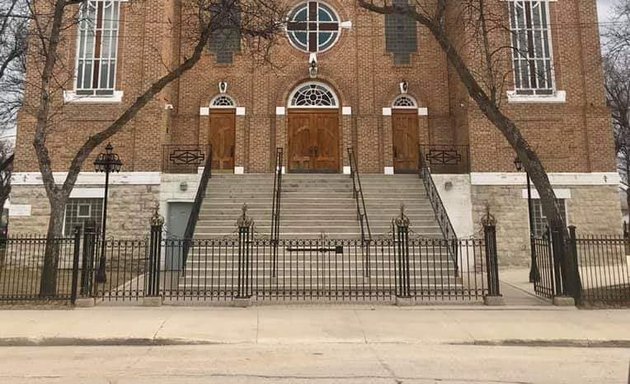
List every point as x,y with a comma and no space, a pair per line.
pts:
313,27
223,101
405,101
313,95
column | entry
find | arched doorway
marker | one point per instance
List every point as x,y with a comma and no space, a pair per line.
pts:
405,138
222,133
313,129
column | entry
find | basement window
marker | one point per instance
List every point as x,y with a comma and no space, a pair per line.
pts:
540,220
79,212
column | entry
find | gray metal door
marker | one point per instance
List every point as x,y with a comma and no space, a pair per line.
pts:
177,219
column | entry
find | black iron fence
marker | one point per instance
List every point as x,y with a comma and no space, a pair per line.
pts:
603,266
184,158
22,264
597,271
445,158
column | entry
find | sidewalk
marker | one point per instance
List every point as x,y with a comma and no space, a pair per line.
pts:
312,324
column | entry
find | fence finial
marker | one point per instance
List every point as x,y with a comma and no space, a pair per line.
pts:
402,220
488,219
244,220
157,220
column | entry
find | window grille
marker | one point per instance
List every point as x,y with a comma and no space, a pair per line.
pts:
81,211
225,39
223,102
98,45
540,220
404,101
313,27
531,47
313,95
401,35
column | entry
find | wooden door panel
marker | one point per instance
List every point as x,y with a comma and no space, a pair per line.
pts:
300,143
222,138
405,140
326,157
313,139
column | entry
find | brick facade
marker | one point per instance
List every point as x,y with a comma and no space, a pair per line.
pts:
574,136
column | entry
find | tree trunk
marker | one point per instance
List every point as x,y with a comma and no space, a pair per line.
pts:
48,283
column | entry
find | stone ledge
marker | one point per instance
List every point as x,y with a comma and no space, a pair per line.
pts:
152,301
404,301
85,302
563,301
494,301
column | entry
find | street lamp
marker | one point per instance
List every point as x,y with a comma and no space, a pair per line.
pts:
534,275
105,162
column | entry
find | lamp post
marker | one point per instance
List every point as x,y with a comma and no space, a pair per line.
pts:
106,162
534,275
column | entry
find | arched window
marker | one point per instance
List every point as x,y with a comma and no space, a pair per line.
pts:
313,95
223,101
313,27
405,101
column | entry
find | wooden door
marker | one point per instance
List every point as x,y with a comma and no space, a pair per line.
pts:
405,140
222,138
313,138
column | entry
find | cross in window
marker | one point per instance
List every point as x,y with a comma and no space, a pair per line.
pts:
311,26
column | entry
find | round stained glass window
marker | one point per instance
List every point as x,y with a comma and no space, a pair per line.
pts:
313,27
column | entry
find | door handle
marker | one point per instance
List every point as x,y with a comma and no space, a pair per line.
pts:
316,150
395,152
232,151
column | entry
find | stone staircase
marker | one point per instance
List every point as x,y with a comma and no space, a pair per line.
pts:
312,205
383,196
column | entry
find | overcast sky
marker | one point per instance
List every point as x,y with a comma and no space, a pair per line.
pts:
604,7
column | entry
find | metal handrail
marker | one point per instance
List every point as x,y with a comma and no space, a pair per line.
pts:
194,213
275,210
357,191
438,207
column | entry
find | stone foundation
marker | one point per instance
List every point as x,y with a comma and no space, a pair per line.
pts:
129,209
592,209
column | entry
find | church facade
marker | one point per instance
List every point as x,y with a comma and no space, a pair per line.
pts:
341,77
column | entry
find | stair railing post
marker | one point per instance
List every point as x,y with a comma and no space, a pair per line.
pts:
401,247
155,254
245,243
492,257
87,263
76,255
575,282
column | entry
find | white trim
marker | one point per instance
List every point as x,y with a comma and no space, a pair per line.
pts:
346,111
560,193
423,111
90,178
388,170
71,97
319,83
281,111
240,111
387,111
87,193
239,170
346,24
558,97
346,170
514,178
204,111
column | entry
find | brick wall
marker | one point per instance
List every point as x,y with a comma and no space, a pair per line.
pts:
570,137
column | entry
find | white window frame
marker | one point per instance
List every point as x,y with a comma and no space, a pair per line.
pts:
73,96
556,96
309,83
334,12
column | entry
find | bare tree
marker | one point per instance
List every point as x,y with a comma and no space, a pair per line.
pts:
617,72
479,53
13,32
258,23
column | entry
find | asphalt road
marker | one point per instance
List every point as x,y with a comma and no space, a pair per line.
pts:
321,363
